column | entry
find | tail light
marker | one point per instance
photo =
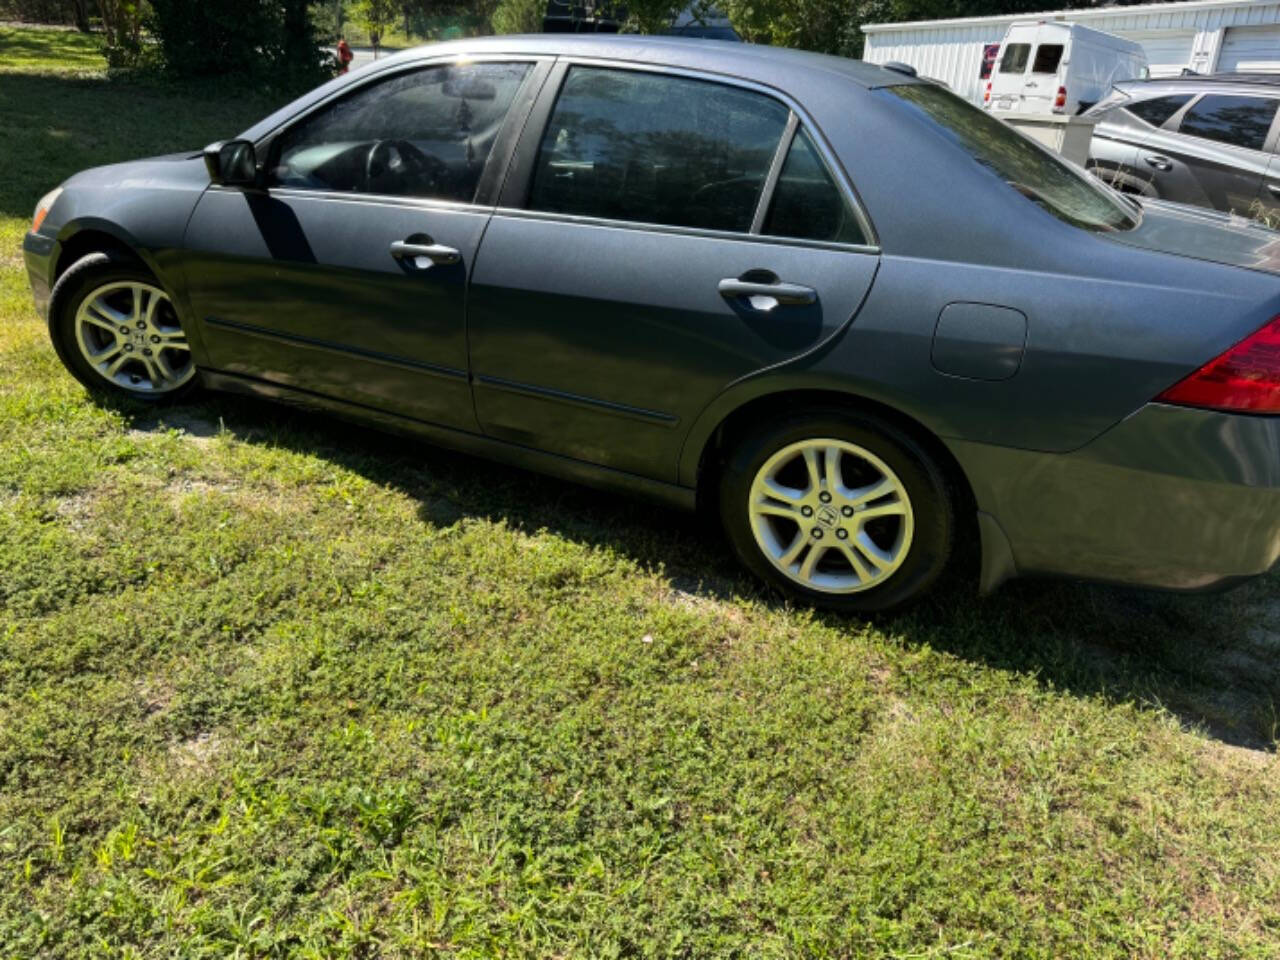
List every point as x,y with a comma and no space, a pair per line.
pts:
986,96
1245,378
1060,100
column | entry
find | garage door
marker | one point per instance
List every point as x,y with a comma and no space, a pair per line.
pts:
1168,51
1251,49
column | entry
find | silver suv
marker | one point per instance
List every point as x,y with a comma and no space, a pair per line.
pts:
1207,140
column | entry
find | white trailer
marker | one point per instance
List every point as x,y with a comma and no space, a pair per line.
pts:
1201,35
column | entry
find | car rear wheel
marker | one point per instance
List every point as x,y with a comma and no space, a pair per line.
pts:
115,328
840,509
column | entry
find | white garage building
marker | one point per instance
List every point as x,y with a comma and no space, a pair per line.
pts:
1204,35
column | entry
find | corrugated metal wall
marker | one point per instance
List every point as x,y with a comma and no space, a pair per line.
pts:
951,50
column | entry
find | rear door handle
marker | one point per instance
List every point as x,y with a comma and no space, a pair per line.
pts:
1159,162
435,252
788,293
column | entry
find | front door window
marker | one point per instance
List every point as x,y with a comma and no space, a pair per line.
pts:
422,134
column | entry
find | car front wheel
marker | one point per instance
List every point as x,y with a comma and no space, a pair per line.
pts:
115,328
840,509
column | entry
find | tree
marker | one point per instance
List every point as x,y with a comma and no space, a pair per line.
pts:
122,31
518,16
270,40
829,26
376,16
821,25
651,16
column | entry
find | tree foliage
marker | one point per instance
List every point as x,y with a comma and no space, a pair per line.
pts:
834,26
122,31
518,16
259,39
376,16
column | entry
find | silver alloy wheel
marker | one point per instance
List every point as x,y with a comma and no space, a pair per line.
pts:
129,333
831,515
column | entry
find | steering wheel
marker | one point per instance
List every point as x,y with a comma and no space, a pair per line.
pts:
403,159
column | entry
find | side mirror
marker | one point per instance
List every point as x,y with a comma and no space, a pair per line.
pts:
232,163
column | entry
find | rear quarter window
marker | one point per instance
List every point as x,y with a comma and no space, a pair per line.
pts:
1059,188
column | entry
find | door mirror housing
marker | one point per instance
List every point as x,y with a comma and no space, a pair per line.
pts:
232,163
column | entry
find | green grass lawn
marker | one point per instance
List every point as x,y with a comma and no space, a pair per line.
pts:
40,50
273,686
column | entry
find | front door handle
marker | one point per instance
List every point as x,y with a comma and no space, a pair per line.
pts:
1159,162
770,294
435,252
1275,189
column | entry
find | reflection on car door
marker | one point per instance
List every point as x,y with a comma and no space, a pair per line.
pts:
1218,155
644,274
347,275
1269,193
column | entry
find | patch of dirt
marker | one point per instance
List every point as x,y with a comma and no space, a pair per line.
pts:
11,259
199,430
181,486
77,509
1252,759
153,698
702,597
197,753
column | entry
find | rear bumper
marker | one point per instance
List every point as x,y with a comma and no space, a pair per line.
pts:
40,254
1171,498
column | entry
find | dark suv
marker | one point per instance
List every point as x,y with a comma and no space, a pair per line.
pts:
1207,140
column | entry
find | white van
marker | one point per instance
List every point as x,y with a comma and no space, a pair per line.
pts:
1051,66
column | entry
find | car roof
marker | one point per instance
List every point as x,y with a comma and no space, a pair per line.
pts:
1198,83
791,71
771,65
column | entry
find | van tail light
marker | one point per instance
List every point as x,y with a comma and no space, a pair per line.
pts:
1245,378
986,96
1060,100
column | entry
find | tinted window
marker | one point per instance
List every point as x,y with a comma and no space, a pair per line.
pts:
1015,58
1240,121
1157,111
421,134
806,202
1031,170
628,145
1048,56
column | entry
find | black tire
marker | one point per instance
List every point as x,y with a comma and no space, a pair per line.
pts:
928,490
86,275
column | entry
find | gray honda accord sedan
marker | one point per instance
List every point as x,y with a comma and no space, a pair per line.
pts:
858,318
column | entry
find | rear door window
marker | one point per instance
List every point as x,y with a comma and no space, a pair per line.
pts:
1238,120
1048,56
1015,58
1156,111
654,148
806,202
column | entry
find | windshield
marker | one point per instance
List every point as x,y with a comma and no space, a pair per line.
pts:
1067,193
